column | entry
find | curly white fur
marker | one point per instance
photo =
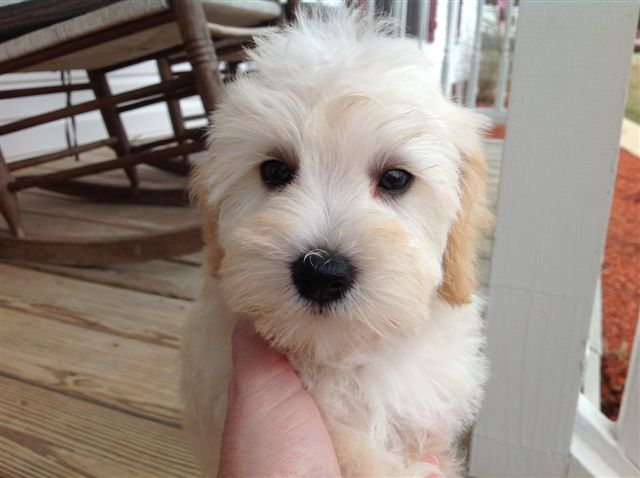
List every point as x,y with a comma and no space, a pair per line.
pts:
396,371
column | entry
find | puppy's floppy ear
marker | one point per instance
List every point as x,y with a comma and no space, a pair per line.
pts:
198,194
459,261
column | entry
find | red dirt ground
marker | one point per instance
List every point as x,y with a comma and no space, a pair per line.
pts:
620,282
620,279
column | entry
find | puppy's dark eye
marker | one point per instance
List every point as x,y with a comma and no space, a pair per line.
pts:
276,173
394,181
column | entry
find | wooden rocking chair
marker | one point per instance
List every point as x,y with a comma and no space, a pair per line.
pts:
117,35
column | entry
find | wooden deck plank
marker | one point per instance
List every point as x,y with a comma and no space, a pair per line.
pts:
132,217
484,246
122,373
493,152
484,266
168,278
126,313
47,434
18,459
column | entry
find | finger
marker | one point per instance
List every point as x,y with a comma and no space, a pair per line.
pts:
261,378
249,352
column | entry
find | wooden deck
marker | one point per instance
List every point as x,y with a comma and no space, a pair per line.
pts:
89,365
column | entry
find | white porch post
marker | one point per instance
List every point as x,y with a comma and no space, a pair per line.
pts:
570,71
423,19
453,11
629,419
399,12
474,77
505,52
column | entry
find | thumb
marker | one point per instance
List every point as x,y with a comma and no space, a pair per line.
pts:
254,362
248,350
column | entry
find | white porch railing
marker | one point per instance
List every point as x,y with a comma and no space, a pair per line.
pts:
453,18
499,111
474,78
593,351
466,85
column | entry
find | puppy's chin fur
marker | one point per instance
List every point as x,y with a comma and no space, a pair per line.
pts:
395,365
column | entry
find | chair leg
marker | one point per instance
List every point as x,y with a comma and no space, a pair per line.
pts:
290,10
175,114
9,202
200,50
112,122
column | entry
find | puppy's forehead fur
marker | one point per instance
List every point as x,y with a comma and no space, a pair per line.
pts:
336,85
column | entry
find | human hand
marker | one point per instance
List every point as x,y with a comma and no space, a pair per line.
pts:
273,426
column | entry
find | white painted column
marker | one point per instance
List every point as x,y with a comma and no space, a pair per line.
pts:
453,10
474,77
423,20
399,12
629,418
371,8
505,53
570,72
593,353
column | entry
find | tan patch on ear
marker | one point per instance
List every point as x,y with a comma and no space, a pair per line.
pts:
198,194
210,236
459,261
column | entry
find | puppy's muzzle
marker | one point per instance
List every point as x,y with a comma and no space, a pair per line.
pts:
322,277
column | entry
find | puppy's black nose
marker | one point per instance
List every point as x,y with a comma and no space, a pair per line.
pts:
322,277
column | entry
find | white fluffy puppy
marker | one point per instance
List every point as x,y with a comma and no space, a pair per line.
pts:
342,195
